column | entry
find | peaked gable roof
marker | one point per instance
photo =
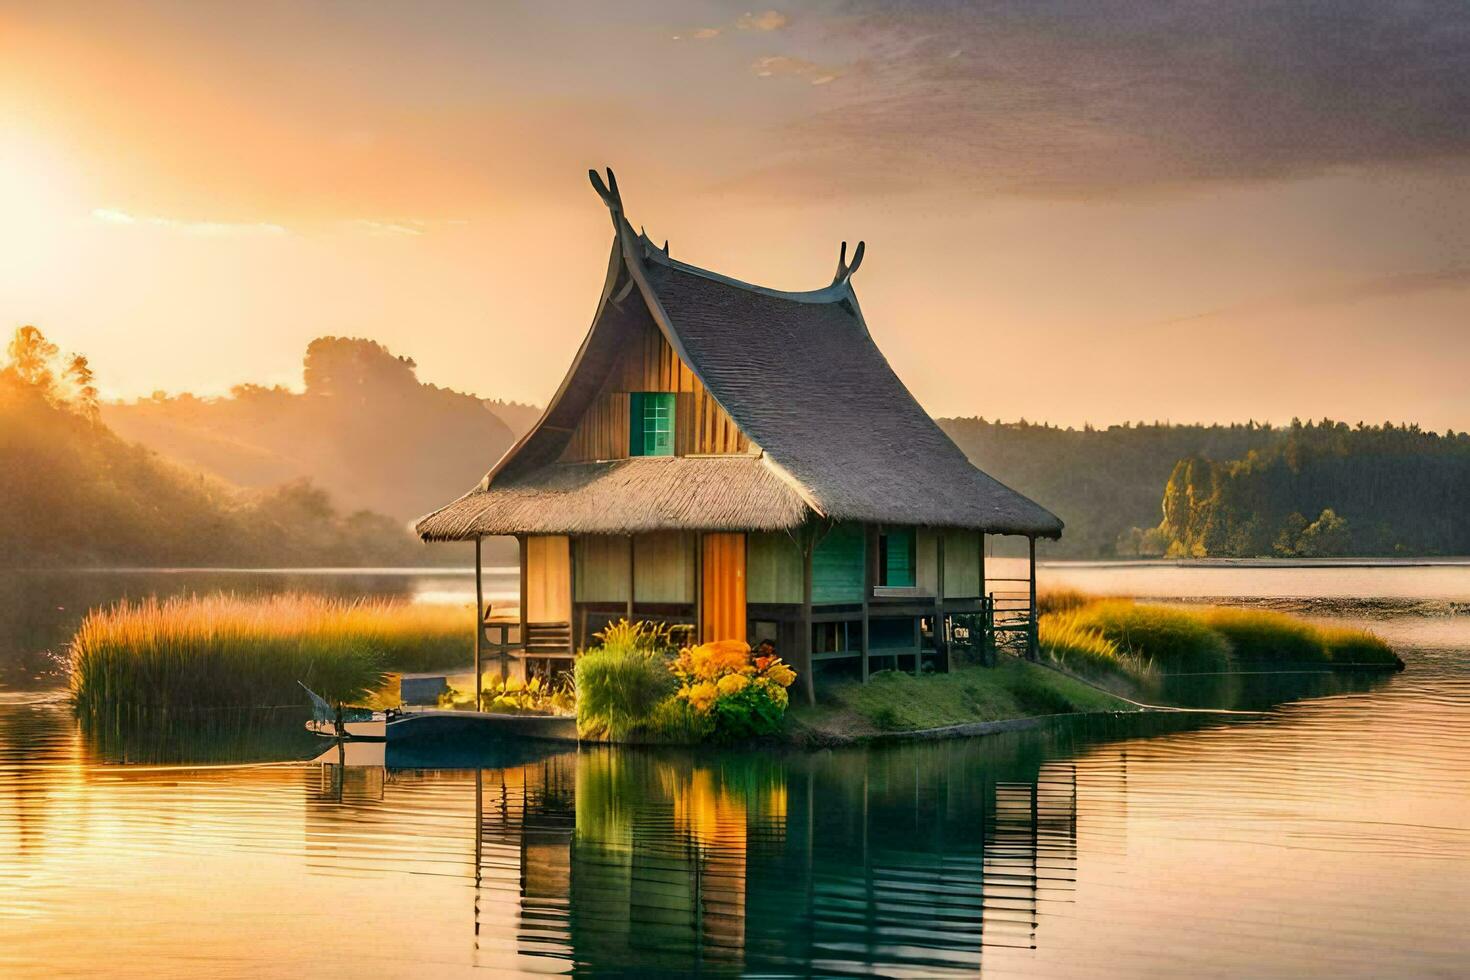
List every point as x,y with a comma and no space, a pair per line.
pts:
798,372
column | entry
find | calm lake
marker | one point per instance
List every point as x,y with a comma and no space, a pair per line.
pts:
1327,835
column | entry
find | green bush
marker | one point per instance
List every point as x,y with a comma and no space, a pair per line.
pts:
750,712
618,690
676,722
1171,640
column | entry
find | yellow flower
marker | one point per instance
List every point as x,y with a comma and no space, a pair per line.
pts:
733,683
781,674
702,695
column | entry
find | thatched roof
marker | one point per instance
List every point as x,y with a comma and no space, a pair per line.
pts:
649,493
840,436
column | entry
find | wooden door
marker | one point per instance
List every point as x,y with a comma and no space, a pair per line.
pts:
723,571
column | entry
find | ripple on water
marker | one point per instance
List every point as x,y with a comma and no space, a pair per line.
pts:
1326,835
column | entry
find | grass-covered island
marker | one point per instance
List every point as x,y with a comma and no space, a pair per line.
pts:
1091,646
637,685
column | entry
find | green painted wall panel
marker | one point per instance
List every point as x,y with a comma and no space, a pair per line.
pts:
837,565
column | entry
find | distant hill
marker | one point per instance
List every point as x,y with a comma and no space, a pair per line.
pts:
1106,484
73,493
365,429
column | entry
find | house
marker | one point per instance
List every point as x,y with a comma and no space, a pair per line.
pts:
743,460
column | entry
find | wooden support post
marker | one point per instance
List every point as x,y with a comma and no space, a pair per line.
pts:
578,640
808,683
525,609
479,619
941,637
987,624
1033,647
870,553
629,613
698,587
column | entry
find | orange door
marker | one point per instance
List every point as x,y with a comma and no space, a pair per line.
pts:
724,587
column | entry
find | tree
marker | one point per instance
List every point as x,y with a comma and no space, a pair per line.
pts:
79,375
31,356
1326,537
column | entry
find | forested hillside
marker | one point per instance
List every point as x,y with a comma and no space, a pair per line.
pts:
365,429
73,493
1106,484
1324,490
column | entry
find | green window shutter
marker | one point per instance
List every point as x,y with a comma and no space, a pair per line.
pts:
837,565
635,423
651,423
897,549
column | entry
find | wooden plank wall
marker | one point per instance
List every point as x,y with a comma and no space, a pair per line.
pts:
724,587
650,364
602,568
663,567
926,555
773,568
961,564
548,579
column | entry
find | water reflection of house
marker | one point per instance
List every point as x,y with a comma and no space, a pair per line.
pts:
755,865
745,460
906,860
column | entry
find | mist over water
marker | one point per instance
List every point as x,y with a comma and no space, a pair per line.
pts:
1328,835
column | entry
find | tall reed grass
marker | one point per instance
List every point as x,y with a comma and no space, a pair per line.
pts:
1118,637
228,650
1086,651
1259,636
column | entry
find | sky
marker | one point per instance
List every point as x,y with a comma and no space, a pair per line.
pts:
1075,210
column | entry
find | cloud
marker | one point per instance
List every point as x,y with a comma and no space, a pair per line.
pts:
770,20
113,216
765,22
1399,284
1068,96
778,66
410,227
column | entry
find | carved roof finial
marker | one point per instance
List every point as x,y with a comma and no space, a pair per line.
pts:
608,191
845,271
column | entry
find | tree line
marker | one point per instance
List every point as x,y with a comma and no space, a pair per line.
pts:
1307,489
73,493
1325,489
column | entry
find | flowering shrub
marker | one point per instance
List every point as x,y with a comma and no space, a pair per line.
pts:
743,696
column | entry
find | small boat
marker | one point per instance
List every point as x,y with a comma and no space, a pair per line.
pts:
344,721
351,723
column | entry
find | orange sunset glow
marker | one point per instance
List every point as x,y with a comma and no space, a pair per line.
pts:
194,191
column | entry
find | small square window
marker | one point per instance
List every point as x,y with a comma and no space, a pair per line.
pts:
651,425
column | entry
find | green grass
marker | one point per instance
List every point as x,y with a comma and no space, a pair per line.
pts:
228,650
897,702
